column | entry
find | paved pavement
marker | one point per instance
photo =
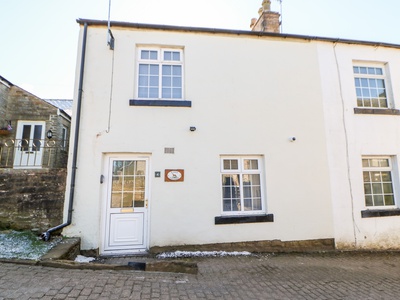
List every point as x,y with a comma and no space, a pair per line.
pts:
267,276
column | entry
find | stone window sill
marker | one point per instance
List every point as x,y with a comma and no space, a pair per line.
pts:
375,111
376,213
165,103
223,220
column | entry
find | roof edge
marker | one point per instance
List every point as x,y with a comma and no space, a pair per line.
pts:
234,32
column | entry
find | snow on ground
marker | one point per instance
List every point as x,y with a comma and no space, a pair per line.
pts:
84,259
23,245
180,254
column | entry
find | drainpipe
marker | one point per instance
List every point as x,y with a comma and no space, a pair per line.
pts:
46,235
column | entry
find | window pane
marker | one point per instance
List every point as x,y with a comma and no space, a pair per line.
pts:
375,102
167,55
251,164
177,81
383,103
231,164
176,56
153,81
377,188
143,81
257,204
143,93
357,82
116,199
379,71
367,189
154,69
380,83
166,70
366,93
378,200
144,69
166,81
368,201
128,183
153,93
247,204
154,55
372,82
371,71
356,70
365,163
364,82
166,93
386,177
387,188
389,200
363,70
128,200
144,54
177,70
177,93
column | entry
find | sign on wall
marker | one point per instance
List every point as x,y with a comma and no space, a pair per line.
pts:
174,175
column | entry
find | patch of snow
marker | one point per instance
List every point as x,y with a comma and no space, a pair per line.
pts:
23,245
84,259
180,254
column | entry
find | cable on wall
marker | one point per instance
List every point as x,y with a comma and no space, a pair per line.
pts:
111,93
347,146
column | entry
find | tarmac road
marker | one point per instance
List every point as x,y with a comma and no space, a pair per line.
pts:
266,276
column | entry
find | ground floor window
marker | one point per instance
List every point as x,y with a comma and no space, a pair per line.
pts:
378,181
242,189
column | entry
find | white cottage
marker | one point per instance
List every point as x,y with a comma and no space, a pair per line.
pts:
223,139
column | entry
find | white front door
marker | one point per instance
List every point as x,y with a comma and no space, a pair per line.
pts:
29,144
126,205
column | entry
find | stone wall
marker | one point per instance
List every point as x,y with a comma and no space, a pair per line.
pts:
31,199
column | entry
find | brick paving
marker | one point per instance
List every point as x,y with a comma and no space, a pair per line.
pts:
266,276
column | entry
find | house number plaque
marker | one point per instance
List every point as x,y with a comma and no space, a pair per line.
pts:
175,175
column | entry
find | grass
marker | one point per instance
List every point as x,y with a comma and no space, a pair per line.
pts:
23,245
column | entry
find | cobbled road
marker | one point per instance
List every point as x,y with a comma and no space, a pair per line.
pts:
265,276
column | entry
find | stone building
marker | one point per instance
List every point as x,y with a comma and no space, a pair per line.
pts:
34,142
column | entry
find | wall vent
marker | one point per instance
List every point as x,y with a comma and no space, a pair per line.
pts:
169,150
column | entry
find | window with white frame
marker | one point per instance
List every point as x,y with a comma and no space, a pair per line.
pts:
242,190
160,74
370,83
378,181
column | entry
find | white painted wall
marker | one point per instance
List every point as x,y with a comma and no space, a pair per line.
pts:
350,136
249,96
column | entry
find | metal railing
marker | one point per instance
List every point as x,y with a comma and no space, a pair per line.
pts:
34,153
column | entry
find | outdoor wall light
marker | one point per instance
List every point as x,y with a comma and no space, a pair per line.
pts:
192,128
49,134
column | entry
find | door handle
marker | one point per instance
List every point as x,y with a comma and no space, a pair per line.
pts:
146,203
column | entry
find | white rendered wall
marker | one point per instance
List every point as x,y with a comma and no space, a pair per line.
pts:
249,96
350,136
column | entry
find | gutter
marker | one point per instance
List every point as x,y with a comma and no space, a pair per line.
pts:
46,235
234,32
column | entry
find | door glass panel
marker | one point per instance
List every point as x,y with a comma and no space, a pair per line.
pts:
37,135
26,135
116,200
128,199
128,183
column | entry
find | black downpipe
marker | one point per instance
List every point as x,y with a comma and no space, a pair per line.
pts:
46,235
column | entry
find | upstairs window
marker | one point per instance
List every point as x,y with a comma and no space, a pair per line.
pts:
370,86
160,74
378,182
242,190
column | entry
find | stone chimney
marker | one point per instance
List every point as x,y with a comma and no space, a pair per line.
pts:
268,20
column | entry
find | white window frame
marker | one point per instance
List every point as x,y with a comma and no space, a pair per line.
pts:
394,180
160,62
358,89
241,171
